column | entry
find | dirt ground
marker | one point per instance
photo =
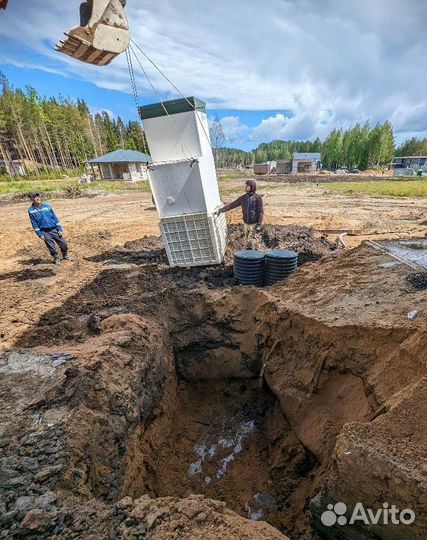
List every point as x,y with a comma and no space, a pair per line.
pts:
94,226
170,403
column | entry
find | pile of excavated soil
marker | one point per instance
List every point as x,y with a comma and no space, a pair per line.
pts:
170,518
418,280
290,237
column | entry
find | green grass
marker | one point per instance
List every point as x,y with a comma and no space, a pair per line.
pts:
67,186
384,188
235,175
117,185
380,188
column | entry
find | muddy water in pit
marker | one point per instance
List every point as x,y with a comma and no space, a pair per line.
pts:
219,446
228,440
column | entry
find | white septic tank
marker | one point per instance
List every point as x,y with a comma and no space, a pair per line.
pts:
183,181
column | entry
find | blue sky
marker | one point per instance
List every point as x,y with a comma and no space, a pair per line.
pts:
277,69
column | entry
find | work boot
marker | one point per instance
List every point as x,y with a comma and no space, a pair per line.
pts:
68,258
56,260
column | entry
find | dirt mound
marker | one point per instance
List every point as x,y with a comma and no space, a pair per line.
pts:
150,250
299,239
418,280
168,518
292,237
196,517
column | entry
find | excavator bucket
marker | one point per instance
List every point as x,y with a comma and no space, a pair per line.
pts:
102,35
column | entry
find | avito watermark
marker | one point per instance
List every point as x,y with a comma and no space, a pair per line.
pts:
387,514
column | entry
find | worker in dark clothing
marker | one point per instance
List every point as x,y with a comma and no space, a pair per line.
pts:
252,210
47,227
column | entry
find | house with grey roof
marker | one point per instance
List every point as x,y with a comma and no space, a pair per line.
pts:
120,165
409,165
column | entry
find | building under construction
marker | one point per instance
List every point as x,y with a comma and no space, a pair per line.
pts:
307,162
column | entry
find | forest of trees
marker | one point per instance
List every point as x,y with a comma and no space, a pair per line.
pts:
360,147
51,134
413,147
57,133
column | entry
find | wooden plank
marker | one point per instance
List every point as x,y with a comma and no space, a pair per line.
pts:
81,50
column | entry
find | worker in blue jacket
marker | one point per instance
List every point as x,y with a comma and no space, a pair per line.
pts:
47,227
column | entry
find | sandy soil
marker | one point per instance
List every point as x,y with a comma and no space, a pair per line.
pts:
94,226
100,353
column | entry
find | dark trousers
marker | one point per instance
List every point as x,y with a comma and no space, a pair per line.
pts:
52,238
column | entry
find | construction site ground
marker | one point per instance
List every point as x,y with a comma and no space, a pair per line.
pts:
131,402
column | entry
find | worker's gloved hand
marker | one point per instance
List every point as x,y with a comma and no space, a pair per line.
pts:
258,228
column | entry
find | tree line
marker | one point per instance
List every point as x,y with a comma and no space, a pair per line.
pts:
413,147
51,134
359,147
57,133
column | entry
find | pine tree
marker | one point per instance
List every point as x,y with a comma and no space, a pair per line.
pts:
387,147
413,147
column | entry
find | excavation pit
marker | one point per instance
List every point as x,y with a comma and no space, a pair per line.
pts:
142,404
227,440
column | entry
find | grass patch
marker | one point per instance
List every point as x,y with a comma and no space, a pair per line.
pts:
382,188
235,175
59,187
118,185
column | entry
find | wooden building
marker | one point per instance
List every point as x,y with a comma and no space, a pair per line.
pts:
265,168
284,166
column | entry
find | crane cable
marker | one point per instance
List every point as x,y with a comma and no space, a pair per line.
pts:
136,97
162,104
132,78
174,87
135,93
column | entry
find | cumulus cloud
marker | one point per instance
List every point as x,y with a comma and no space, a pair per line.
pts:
234,130
99,110
273,127
328,62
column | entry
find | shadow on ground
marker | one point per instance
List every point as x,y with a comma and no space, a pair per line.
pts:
29,273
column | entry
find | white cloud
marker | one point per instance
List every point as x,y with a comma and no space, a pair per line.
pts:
329,62
234,130
273,127
31,65
410,118
100,110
